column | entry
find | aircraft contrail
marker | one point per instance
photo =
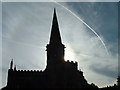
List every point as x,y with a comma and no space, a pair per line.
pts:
84,24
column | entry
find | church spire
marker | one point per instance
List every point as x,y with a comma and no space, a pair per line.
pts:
55,48
55,37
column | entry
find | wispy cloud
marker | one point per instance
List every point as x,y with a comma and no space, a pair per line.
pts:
91,52
60,0
26,31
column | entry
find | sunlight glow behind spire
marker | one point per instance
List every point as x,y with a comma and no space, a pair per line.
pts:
85,25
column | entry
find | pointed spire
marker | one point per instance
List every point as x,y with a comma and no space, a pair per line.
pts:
55,37
11,64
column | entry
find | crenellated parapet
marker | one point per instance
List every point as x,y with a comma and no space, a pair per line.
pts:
15,75
71,64
29,71
15,69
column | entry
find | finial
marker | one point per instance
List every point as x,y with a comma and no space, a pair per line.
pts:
15,68
55,16
54,10
11,64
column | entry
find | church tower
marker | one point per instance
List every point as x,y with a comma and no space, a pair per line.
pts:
58,73
55,48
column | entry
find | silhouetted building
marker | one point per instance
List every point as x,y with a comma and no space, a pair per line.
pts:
58,73
113,87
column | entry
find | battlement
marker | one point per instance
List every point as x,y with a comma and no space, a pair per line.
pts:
28,74
22,71
74,62
28,70
71,64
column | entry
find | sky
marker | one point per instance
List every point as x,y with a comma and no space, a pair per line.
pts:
26,30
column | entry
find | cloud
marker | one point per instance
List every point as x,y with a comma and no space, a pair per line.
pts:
106,70
26,32
60,0
89,51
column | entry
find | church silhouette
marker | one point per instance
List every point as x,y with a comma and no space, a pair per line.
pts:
58,73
